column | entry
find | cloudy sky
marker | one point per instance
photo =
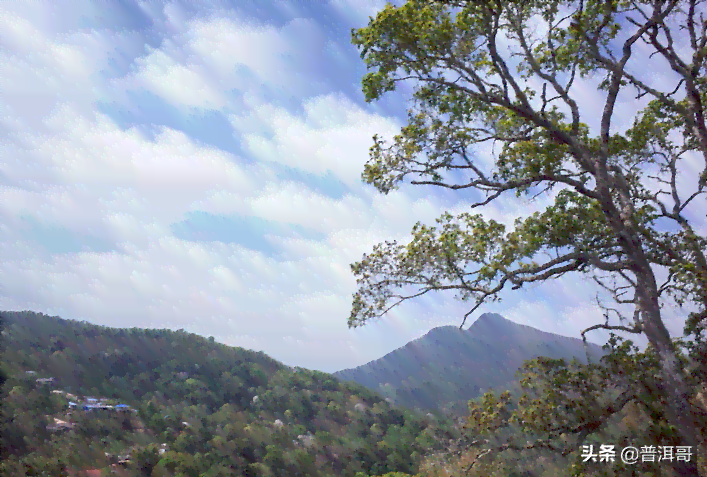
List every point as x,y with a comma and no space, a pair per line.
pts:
173,166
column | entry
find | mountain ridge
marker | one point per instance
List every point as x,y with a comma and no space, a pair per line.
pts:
450,363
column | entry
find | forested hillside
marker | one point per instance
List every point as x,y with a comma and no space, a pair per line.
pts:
447,366
210,410
198,408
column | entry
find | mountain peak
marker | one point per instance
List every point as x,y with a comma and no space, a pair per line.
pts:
489,318
450,366
486,318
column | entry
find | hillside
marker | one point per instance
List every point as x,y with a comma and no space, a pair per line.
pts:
447,367
199,408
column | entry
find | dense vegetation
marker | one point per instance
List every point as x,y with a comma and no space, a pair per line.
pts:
199,398
563,406
209,424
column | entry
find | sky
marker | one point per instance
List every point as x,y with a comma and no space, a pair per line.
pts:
183,166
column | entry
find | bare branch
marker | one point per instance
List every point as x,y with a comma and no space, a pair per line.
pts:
552,79
617,69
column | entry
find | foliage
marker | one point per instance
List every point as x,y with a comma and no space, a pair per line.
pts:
565,405
206,385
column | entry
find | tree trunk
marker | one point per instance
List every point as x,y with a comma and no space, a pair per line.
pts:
675,388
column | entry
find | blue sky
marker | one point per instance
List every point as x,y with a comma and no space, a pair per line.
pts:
168,165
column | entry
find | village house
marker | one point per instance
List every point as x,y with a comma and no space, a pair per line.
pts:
43,381
307,440
91,404
59,425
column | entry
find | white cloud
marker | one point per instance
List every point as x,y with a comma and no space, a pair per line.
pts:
209,58
41,69
177,83
225,45
73,167
96,174
334,135
290,203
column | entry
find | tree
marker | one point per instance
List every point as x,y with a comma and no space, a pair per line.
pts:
145,459
624,203
562,405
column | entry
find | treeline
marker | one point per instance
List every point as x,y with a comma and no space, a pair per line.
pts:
203,408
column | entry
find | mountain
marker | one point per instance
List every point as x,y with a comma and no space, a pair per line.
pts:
92,359
447,367
199,408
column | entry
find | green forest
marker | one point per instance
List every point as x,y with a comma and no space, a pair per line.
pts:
199,408
219,410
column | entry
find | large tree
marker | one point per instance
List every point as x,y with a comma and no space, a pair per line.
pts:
625,201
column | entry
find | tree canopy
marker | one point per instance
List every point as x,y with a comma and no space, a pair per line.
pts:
626,198
202,408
